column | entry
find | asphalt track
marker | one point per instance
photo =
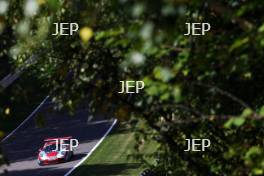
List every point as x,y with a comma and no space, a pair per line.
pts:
21,148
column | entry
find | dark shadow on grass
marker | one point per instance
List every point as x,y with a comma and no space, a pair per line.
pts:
106,169
121,129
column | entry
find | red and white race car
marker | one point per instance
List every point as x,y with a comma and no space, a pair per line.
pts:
54,150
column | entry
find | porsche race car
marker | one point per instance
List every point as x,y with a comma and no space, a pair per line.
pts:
54,152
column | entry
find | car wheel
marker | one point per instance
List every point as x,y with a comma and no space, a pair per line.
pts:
68,157
72,155
40,163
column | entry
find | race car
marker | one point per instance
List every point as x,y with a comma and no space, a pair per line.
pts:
55,150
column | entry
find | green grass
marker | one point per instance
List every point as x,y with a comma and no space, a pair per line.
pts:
111,157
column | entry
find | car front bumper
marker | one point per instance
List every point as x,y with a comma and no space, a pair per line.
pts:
50,161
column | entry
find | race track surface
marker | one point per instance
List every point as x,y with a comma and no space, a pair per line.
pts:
21,148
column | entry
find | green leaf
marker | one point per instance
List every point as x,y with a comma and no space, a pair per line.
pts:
163,74
230,153
106,34
54,5
235,121
261,28
229,123
238,43
152,90
165,96
247,112
177,93
258,171
138,9
261,111
239,121
254,150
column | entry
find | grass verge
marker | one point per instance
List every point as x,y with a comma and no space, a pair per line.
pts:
111,158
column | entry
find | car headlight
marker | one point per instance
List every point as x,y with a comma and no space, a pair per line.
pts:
42,155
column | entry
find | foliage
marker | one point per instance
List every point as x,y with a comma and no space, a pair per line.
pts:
196,86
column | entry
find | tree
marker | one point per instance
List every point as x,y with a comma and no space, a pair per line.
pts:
196,86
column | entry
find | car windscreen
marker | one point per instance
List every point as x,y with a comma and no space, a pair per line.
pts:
51,148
